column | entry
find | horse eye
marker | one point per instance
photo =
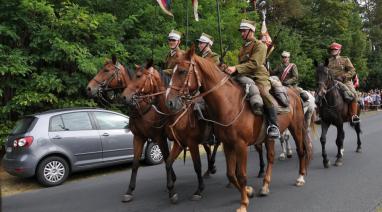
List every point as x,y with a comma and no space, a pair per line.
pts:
106,70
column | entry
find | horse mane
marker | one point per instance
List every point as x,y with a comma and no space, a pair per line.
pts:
208,65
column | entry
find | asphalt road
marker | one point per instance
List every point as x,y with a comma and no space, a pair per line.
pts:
355,186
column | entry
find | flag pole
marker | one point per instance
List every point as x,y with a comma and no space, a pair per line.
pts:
187,21
219,27
153,38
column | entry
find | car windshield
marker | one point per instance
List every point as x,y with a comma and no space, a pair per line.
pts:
22,125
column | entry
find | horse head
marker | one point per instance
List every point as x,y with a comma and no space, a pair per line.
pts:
144,85
110,77
323,78
185,81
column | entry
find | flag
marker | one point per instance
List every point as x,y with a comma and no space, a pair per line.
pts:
265,37
165,5
195,6
356,81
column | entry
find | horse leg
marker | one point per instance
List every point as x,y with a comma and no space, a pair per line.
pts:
138,143
259,149
162,143
298,133
175,151
231,166
288,147
241,175
207,148
283,148
324,131
194,150
270,146
340,145
213,157
357,128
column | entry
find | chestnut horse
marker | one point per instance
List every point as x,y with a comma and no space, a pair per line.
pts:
114,76
145,90
236,125
333,110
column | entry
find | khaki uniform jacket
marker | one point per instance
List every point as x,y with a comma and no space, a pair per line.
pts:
341,67
291,79
171,61
212,56
251,58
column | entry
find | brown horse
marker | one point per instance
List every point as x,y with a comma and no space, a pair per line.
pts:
236,126
333,111
114,76
146,90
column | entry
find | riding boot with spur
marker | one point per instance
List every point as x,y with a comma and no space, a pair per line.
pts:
273,128
353,111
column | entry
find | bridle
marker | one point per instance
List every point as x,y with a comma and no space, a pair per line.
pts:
324,83
103,86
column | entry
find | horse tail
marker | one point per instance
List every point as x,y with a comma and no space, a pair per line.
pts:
312,125
184,155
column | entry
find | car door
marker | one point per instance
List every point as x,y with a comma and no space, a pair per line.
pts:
116,137
75,134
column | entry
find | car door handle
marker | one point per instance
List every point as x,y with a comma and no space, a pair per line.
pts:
105,134
57,137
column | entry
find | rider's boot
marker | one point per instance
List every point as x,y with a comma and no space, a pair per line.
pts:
353,107
273,128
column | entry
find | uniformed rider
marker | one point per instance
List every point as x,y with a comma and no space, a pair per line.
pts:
205,43
251,65
173,42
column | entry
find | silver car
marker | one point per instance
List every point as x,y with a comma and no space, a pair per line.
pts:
55,143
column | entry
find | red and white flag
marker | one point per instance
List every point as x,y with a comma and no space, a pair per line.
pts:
265,37
195,6
165,5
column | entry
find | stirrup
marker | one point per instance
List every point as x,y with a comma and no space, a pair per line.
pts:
275,134
355,119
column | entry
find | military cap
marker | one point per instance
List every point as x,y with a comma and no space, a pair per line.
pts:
205,38
175,35
247,24
335,46
285,54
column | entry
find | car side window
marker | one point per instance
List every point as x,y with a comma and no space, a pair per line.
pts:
107,121
71,122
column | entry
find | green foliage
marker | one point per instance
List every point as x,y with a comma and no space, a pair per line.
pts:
50,49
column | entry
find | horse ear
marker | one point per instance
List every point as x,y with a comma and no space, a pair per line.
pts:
136,66
114,59
315,63
326,62
149,63
190,52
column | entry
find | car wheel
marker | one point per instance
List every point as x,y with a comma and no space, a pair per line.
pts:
52,171
153,154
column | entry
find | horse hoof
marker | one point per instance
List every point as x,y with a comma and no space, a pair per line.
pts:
327,164
282,157
213,170
260,175
339,162
196,197
127,198
264,192
359,150
174,198
250,192
300,183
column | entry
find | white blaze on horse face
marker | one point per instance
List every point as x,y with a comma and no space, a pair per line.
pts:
169,87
